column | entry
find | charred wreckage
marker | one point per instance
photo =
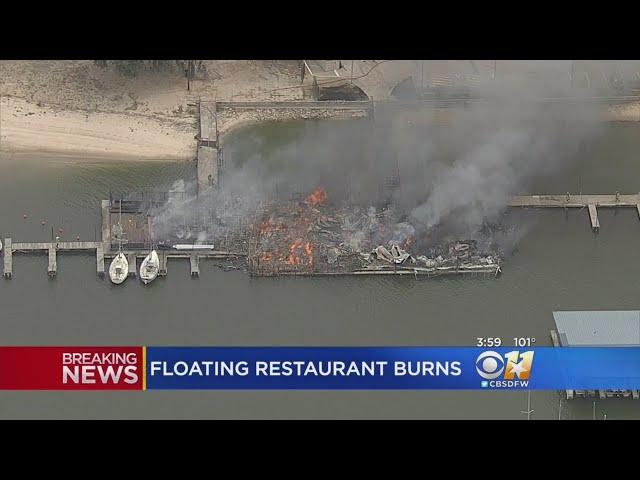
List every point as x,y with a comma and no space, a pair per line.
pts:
311,236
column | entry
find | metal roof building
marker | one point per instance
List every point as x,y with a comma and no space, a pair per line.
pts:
598,328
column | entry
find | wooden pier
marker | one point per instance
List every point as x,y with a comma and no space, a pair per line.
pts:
194,259
100,259
104,250
133,267
209,151
52,269
52,249
162,260
591,202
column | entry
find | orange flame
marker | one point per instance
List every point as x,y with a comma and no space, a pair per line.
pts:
308,249
317,197
300,253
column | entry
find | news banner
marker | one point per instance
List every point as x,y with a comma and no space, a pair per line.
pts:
316,368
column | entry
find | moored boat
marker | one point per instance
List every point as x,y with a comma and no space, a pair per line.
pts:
119,268
149,268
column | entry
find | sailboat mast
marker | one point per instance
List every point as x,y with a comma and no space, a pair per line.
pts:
120,227
150,239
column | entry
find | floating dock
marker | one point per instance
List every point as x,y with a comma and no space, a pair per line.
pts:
105,250
591,202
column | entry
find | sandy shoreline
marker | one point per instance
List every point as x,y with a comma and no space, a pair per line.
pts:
76,108
27,127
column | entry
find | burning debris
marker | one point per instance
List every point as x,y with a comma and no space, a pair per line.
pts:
312,237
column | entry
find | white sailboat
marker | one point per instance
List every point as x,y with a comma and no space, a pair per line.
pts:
119,268
151,263
149,268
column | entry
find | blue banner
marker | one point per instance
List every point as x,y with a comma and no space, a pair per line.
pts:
397,368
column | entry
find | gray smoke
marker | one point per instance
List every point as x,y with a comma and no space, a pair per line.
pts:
502,149
444,170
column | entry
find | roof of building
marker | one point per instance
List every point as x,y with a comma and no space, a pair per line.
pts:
598,328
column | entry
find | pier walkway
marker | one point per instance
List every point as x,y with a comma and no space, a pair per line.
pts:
52,249
591,202
209,151
357,105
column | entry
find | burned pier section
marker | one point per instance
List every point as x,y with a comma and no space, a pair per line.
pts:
313,237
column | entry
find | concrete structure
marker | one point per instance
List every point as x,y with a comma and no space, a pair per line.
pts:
597,329
378,78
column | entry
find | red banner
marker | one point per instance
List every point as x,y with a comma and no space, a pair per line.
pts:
72,368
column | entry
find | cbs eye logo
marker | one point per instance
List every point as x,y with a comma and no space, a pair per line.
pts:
489,365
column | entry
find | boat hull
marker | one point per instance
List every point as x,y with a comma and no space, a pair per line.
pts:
150,267
119,269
